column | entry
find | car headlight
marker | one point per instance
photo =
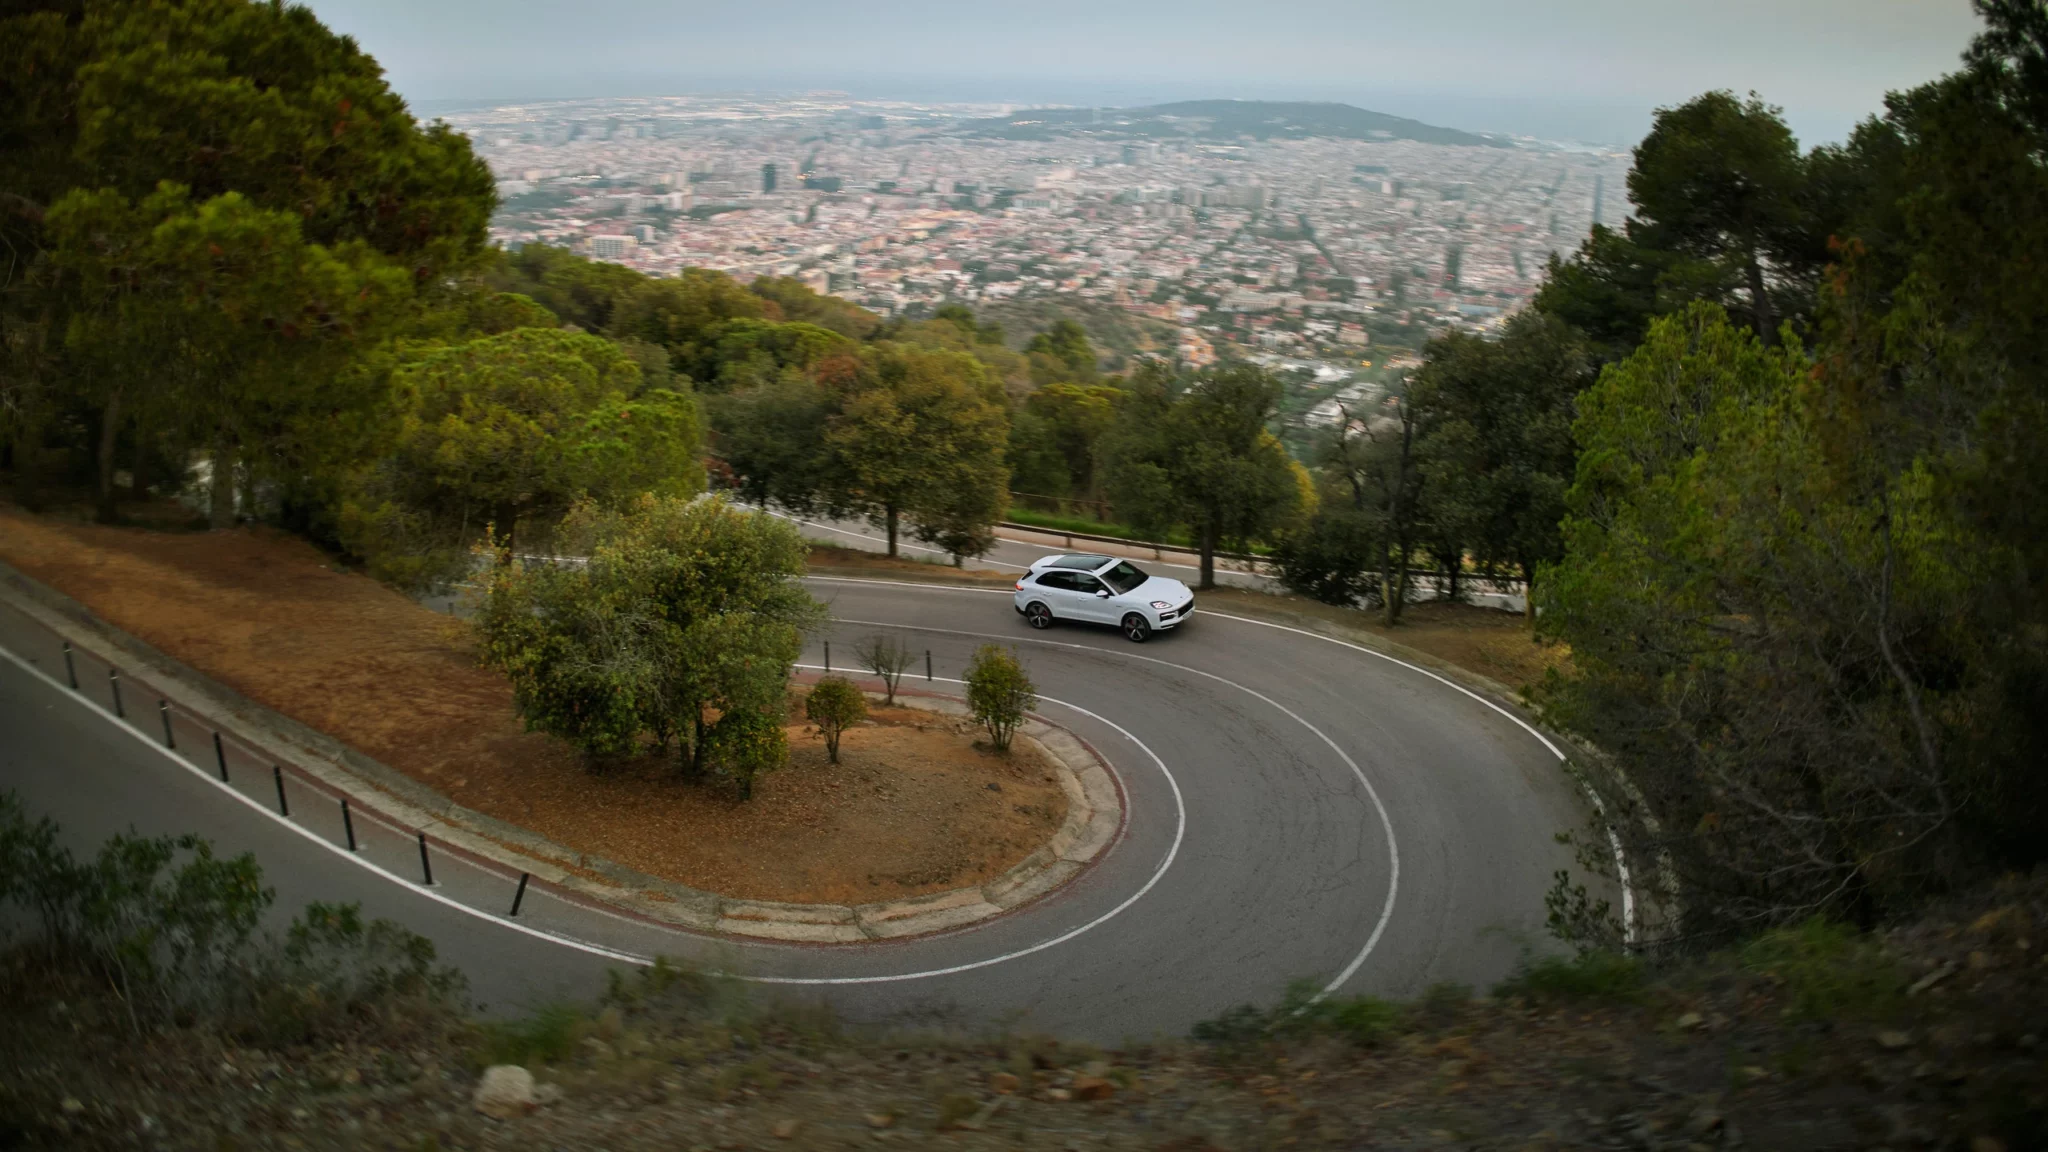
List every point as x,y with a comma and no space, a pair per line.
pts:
1161,605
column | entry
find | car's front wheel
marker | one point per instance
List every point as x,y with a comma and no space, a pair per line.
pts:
1135,629
1038,615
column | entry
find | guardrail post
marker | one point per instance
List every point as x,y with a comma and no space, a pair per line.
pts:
426,865
70,669
163,709
519,895
114,681
220,757
348,824
284,807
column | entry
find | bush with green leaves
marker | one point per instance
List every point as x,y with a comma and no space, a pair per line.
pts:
1336,558
171,930
834,705
681,625
1303,1011
1000,692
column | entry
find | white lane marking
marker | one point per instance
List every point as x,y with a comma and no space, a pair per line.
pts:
1386,822
1180,830
1628,898
1629,925
1173,851
316,838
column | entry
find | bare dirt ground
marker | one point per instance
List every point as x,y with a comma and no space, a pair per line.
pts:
911,811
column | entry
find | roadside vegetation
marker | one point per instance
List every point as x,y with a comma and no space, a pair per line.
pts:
346,1033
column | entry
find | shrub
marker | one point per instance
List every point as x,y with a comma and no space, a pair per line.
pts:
744,745
1361,1020
1334,559
1586,976
335,970
835,705
1000,692
887,657
1827,969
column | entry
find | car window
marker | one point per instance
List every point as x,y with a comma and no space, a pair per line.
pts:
1124,577
1086,583
1058,581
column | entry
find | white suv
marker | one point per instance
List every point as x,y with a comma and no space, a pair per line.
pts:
1102,590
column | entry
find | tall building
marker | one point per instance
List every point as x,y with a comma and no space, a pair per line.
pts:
612,247
767,177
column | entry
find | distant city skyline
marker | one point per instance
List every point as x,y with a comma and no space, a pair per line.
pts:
1573,69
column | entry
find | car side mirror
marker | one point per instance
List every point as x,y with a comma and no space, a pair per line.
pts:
1101,595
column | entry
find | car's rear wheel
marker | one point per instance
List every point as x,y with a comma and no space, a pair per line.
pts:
1135,629
1037,615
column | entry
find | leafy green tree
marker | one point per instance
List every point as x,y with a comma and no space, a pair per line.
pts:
1000,693
772,439
1334,558
1195,449
1061,352
1076,417
686,314
112,105
1499,454
579,291
744,353
920,433
1373,460
834,705
513,429
681,625
794,300
1718,179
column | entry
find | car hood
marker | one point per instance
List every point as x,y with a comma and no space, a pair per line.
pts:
1160,588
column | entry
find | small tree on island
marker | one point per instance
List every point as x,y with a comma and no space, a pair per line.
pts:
681,623
835,705
888,658
1000,692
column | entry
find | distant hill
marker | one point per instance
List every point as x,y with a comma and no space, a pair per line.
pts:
1224,120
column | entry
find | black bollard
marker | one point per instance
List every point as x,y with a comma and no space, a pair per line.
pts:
426,865
163,708
348,824
284,807
114,680
828,657
927,665
70,669
519,895
220,757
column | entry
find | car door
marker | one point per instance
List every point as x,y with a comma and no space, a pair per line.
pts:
1060,595
1092,599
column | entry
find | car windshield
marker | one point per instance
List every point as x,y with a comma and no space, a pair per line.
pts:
1124,577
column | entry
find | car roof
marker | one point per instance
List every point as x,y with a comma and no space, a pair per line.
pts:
1085,562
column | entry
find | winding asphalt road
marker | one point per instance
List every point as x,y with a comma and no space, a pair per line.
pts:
1296,807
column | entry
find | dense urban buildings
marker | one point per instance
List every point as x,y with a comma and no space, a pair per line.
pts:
1316,249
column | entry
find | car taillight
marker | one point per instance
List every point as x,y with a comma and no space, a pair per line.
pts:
1020,585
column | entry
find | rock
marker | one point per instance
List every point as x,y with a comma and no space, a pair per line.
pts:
547,1095
72,1105
879,1120
1093,1088
1892,1041
1931,979
505,1092
1751,1073
1690,1021
1057,1094
1006,1083
785,1129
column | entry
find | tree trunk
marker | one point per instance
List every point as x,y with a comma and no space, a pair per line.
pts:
1760,304
889,512
138,485
1453,563
249,490
1209,553
104,510
504,519
697,744
1529,596
221,489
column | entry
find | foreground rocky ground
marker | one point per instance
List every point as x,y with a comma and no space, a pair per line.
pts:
1925,1037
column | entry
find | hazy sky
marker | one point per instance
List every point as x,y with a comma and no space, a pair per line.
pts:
1590,69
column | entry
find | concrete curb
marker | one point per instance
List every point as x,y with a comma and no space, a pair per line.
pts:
377,791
